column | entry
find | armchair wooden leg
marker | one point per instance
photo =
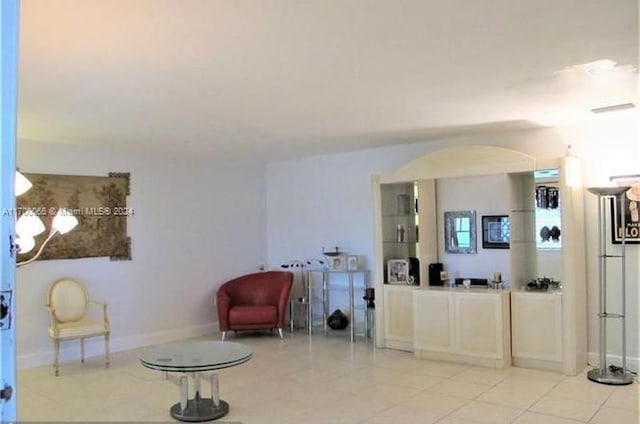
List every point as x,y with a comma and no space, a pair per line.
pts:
224,336
280,332
82,350
56,356
106,349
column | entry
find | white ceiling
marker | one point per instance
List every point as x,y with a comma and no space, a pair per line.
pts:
288,78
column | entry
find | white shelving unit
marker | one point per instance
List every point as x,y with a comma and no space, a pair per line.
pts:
395,326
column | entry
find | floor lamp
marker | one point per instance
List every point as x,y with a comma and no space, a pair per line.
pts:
611,374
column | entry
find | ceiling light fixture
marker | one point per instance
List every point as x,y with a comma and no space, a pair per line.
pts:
595,67
599,66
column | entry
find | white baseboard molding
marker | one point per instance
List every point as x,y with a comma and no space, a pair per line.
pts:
633,363
95,346
538,364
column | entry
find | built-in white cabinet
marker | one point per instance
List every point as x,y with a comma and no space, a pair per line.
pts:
398,316
468,326
537,329
548,332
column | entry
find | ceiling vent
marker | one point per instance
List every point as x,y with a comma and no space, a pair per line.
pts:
613,108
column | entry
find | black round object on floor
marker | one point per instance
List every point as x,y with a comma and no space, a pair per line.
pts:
338,320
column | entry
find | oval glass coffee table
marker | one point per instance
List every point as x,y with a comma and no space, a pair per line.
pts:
194,358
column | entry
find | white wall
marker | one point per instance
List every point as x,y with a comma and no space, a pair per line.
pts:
486,195
327,200
196,224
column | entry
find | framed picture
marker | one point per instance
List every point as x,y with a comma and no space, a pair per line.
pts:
337,263
496,232
352,263
460,232
631,210
397,271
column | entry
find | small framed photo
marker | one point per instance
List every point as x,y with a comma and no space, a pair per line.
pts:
398,271
337,263
496,232
352,263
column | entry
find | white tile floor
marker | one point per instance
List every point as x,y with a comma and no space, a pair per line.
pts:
328,380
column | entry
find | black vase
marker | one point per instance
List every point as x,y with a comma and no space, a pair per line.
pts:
369,296
338,320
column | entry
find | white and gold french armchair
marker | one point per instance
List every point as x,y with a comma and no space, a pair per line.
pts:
69,305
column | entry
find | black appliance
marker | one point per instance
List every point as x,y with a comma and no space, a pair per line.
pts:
473,281
434,274
414,270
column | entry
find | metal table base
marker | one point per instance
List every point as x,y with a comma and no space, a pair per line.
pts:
198,409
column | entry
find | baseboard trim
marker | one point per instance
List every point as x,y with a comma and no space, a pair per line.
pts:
538,364
95,347
633,363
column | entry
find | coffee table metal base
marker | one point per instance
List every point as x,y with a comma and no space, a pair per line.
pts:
192,359
199,410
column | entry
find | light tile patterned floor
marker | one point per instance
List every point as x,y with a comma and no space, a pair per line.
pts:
328,380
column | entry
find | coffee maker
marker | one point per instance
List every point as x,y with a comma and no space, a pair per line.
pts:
434,274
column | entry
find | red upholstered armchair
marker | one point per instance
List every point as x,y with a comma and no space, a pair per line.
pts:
254,302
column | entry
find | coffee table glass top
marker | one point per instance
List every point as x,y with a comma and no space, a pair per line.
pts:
193,356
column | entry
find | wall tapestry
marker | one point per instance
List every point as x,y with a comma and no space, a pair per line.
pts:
99,203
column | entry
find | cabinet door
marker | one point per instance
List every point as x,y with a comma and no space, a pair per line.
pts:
398,314
537,326
479,325
433,321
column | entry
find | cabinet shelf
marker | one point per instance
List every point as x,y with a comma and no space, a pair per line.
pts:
609,315
344,289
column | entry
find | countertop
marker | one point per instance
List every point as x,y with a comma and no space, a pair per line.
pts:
462,289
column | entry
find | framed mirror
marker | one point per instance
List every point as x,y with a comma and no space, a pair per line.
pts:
460,232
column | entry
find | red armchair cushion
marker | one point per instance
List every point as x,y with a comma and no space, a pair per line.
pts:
254,301
253,315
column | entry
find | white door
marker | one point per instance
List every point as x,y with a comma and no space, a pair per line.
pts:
434,321
479,325
8,100
536,320
398,316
